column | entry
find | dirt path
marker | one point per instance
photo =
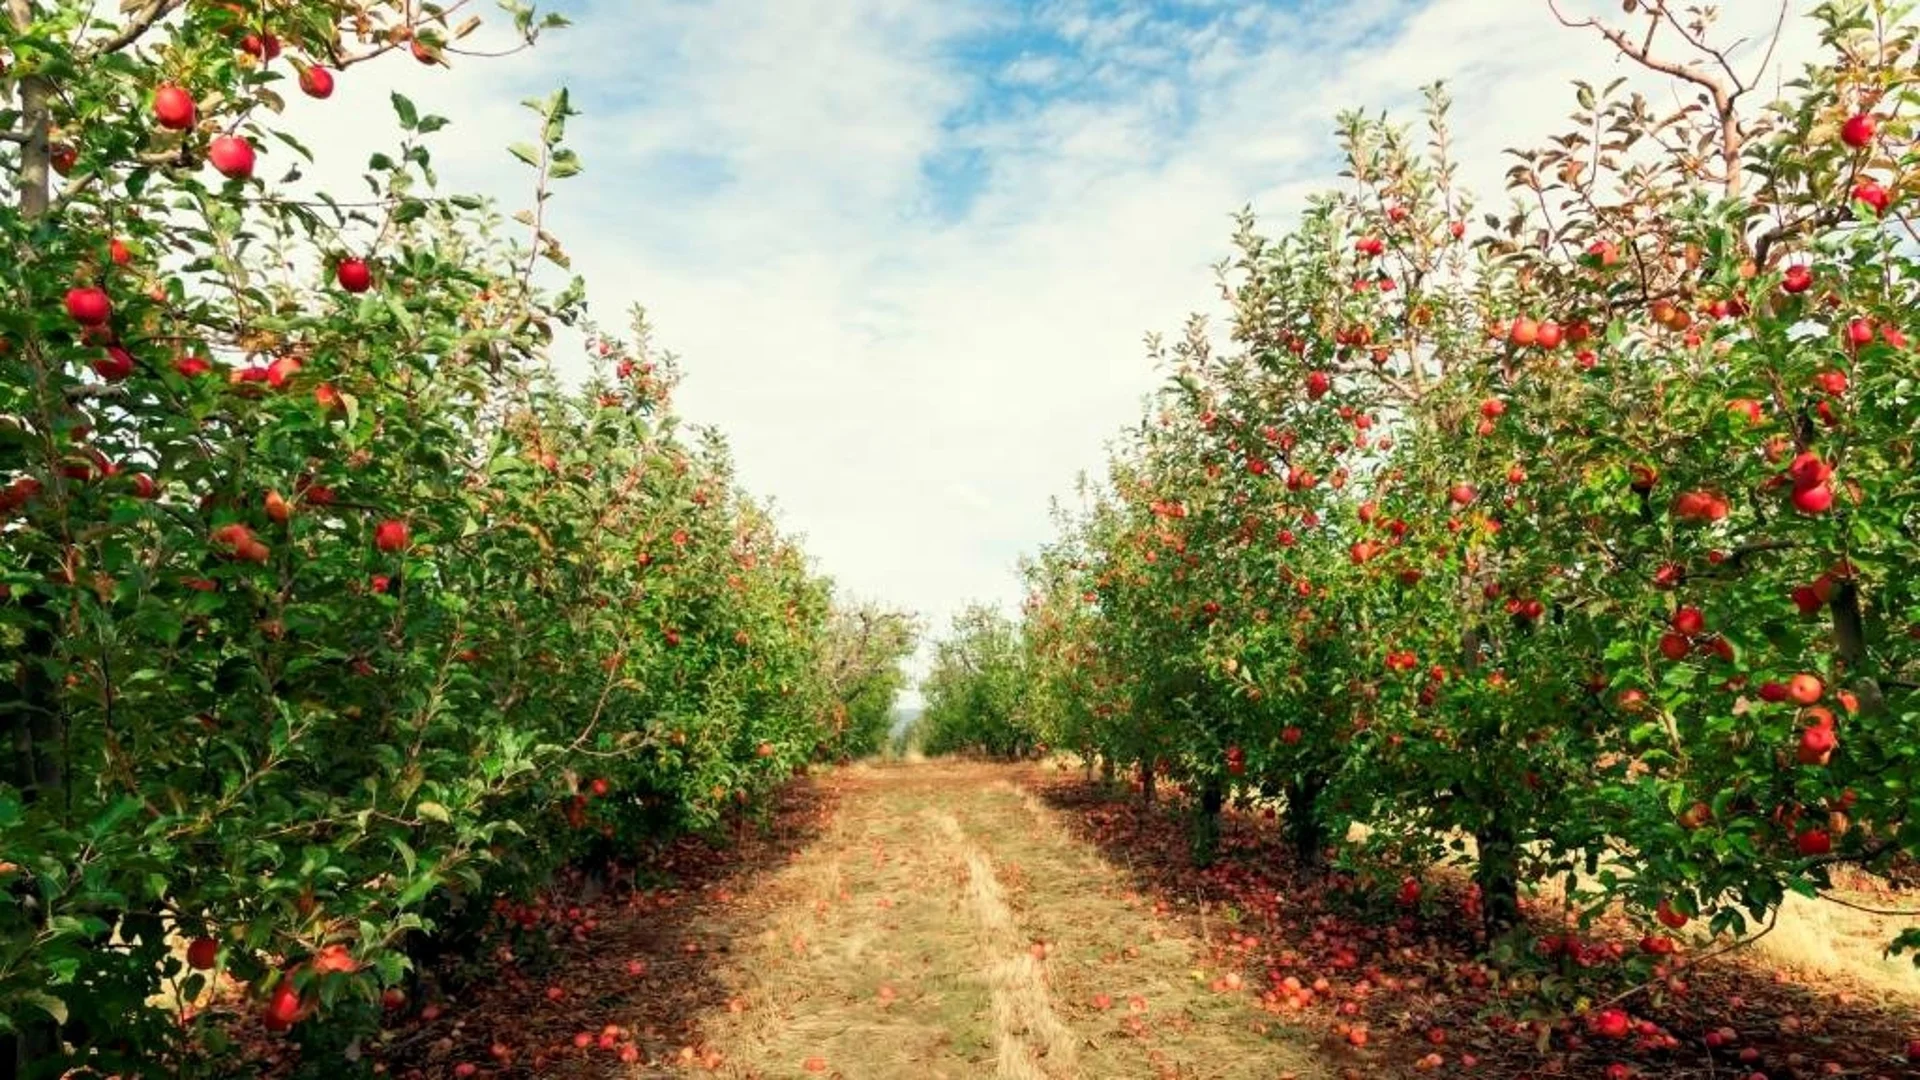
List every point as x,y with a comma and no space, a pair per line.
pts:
946,926
941,921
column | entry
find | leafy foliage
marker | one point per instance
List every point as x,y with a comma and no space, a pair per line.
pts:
974,690
1576,544
330,613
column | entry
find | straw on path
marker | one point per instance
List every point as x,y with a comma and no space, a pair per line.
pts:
945,926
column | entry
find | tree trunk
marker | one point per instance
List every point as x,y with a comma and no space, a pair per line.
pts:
1304,828
1147,779
32,718
1498,875
1106,769
1206,824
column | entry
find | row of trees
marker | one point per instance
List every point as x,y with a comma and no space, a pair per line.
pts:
976,690
330,615
1579,539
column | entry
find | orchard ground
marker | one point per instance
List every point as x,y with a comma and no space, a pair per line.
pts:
947,920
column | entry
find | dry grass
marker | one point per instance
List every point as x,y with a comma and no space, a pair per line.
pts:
902,944
1032,1042
1842,945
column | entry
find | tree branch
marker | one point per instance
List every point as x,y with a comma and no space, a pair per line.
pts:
149,13
1642,54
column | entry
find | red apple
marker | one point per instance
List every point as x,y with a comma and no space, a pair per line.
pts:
260,46
1805,689
231,156
88,306
115,366
391,536
1817,499
283,1008
1817,744
282,371
173,108
1689,621
316,82
1671,919
353,275
1871,193
1674,647
1858,131
202,953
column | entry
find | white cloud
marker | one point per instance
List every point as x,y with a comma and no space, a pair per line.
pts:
912,381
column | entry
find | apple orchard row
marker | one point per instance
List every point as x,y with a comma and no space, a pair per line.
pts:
332,615
1584,532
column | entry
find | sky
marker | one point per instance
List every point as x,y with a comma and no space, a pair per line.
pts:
908,250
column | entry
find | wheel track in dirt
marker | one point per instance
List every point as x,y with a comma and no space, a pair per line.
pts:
945,927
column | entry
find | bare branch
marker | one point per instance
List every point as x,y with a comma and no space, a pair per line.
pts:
1554,6
149,13
1695,40
1766,61
1721,93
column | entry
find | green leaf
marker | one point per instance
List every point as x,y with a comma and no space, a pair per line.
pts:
433,811
526,153
297,146
417,891
565,163
409,115
46,1003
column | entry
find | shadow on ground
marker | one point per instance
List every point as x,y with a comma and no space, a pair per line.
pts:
630,985
1410,982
